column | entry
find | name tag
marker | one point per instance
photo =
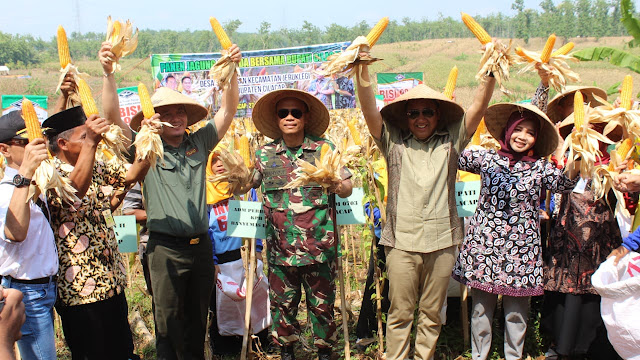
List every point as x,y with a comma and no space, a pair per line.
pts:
108,218
580,186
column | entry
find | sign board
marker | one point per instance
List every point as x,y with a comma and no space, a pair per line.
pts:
129,103
14,102
467,194
246,219
126,233
392,85
350,210
261,71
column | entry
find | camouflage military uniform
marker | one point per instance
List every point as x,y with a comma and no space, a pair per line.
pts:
301,245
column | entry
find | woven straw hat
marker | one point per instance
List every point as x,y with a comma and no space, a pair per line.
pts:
266,120
165,96
553,109
497,116
395,113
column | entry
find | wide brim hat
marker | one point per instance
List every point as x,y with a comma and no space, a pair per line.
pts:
266,120
497,115
165,96
395,113
614,135
10,125
63,121
588,92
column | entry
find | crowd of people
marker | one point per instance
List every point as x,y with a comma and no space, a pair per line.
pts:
55,254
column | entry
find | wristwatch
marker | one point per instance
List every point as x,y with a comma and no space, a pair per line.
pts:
20,181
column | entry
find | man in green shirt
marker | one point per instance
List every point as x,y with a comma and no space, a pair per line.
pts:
179,250
420,134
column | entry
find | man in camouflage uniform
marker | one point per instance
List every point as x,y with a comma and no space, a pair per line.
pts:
301,244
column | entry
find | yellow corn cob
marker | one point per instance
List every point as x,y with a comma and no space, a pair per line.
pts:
451,83
482,127
31,122
88,104
548,47
578,110
520,52
476,29
564,50
107,154
625,93
63,48
622,151
116,31
222,36
377,31
244,150
145,101
355,134
323,151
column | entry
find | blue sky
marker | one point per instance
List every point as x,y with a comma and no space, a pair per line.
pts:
41,18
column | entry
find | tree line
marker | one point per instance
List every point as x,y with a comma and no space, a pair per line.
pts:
569,18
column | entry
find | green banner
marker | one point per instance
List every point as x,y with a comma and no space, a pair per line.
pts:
392,85
14,102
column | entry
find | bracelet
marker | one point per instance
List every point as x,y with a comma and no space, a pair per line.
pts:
106,75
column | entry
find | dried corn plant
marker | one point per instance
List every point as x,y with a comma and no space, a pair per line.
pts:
237,175
347,62
122,39
222,71
555,63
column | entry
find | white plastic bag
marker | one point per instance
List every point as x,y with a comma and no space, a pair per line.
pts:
619,287
230,299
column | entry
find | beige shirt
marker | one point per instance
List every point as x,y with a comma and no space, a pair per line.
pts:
421,210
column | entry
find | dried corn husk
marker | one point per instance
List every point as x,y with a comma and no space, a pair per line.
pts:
222,71
496,59
123,40
629,120
46,178
2,166
326,170
557,66
347,63
114,139
149,144
236,173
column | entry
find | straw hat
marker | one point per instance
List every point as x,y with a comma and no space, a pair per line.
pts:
497,116
266,120
165,96
553,109
395,113
614,135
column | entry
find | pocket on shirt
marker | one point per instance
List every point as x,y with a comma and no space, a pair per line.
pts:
167,173
196,163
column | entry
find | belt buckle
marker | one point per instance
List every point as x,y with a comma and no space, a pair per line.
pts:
194,241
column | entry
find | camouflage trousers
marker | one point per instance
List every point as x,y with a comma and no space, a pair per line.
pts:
285,293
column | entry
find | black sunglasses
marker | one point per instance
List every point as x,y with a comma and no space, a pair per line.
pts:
283,113
413,114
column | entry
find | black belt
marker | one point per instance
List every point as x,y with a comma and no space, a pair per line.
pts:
228,256
191,240
44,280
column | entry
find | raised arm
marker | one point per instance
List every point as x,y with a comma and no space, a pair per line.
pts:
368,104
230,98
68,86
110,102
83,170
476,111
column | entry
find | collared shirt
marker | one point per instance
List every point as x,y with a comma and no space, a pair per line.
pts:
35,257
421,210
174,190
299,228
91,268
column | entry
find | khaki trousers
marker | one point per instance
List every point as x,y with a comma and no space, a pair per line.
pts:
422,279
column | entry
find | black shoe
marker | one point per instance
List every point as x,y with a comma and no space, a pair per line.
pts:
286,353
324,354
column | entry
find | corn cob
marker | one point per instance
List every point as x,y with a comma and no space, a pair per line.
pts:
476,28
222,36
243,148
117,26
578,110
88,104
548,47
31,122
63,48
520,52
625,93
355,134
107,154
377,31
564,50
482,127
145,101
323,151
622,151
451,82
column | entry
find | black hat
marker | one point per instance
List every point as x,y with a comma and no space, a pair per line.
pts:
10,124
63,121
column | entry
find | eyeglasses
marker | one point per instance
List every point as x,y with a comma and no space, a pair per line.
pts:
413,114
18,142
296,113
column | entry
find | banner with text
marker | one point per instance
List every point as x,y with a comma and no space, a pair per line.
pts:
14,102
129,102
261,71
467,195
392,85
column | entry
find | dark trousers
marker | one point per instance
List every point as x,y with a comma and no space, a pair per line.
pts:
182,278
367,320
98,330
